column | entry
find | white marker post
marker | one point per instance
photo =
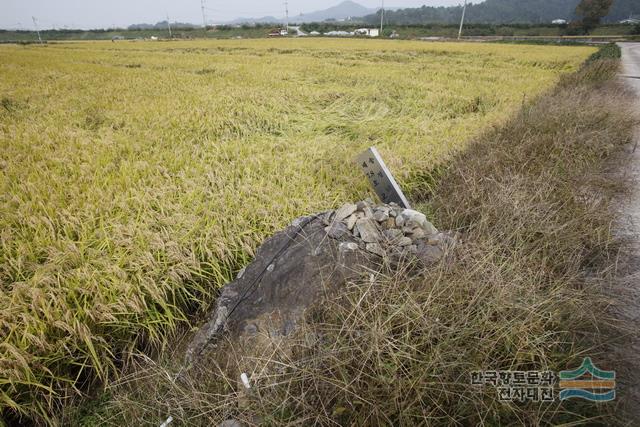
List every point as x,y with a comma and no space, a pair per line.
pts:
381,178
167,422
245,381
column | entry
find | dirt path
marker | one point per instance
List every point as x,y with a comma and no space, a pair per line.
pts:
628,293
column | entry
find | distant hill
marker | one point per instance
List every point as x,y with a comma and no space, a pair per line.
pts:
262,20
502,12
343,11
162,25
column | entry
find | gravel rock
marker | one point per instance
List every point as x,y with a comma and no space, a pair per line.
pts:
389,224
348,246
345,211
392,233
351,221
429,254
382,208
337,230
416,233
411,215
327,218
376,249
381,216
368,231
404,241
429,228
419,219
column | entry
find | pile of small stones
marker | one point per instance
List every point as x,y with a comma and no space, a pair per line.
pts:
386,230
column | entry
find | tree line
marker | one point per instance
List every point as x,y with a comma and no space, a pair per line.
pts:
515,11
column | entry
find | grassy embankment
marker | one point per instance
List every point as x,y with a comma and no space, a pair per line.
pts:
138,177
524,293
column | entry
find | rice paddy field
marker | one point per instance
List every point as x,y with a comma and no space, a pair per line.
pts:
138,177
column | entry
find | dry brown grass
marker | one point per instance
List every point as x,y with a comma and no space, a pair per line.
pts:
397,348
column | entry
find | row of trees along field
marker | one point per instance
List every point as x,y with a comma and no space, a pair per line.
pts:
512,11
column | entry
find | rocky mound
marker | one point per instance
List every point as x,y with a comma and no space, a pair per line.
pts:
313,256
387,231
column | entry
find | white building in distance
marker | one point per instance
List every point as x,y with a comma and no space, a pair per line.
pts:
371,32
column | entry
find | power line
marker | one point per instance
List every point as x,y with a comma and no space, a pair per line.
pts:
169,26
204,18
381,18
286,12
35,22
464,10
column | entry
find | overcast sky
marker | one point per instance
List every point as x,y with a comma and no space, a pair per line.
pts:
16,14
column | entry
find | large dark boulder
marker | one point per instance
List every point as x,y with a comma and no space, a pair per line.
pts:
313,257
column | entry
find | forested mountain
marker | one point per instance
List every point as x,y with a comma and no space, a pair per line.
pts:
502,11
345,10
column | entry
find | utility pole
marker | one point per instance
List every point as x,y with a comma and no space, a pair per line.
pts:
464,10
381,18
204,19
35,22
169,26
286,14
